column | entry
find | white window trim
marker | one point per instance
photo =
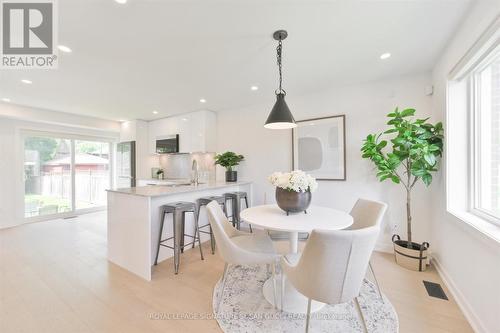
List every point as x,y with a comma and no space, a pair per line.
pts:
478,54
475,139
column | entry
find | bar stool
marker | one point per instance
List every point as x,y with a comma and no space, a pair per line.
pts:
179,210
236,198
203,202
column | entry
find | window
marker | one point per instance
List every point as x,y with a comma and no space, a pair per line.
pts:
92,176
485,104
64,175
47,176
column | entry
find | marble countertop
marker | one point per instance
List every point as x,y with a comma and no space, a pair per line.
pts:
161,190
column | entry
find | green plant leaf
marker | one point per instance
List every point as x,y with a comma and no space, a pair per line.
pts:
395,179
430,158
382,144
392,130
427,179
407,112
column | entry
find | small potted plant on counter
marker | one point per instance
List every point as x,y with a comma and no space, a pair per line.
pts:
229,160
416,148
159,174
293,190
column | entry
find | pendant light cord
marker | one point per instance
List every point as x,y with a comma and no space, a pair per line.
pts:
278,55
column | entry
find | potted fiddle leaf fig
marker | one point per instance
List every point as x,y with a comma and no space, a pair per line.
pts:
229,160
414,149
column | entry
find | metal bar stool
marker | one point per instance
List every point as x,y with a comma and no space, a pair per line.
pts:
203,202
236,198
179,210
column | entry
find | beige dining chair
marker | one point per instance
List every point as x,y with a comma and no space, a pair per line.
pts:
332,267
240,248
368,213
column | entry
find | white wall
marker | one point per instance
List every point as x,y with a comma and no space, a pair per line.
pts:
468,260
13,119
365,107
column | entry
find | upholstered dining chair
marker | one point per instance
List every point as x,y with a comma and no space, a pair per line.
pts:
332,267
368,213
240,248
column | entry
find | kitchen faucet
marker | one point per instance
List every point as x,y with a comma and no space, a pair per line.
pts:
194,173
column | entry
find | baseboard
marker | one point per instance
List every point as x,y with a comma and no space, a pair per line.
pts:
467,310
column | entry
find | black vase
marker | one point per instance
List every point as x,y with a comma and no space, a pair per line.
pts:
231,176
293,202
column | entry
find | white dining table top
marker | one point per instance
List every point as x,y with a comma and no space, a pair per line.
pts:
273,218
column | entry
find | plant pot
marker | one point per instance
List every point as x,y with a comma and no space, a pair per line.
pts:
231,176
414,258
293,202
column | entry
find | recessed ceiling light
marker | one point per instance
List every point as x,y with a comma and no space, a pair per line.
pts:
121,1
254,88
64,48
26,81
155,112
203,100
6,100
385,56
122,120
184,119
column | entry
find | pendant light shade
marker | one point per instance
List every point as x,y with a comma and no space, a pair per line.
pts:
280,116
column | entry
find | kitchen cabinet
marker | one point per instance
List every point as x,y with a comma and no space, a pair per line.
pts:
197,131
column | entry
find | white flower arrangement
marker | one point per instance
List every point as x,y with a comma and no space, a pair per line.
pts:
297,181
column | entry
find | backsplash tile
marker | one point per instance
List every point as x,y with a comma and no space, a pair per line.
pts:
179,165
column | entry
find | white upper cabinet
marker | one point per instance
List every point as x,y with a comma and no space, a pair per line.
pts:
197,131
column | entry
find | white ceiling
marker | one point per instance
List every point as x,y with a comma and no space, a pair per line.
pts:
130,59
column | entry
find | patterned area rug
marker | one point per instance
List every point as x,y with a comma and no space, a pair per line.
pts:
244,309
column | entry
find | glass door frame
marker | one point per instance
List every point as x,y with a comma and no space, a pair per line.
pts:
25,133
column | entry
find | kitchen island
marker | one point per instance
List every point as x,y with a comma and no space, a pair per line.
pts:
134,221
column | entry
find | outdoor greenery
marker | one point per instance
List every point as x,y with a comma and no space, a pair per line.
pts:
90,147
416,148
45,146
228,160
63,205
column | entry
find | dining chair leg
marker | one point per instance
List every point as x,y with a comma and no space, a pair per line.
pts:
360,315
308,315
224,276
273,267
376,282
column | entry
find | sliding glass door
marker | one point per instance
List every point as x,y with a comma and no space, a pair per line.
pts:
64,175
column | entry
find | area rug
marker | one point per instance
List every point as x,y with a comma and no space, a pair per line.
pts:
244,309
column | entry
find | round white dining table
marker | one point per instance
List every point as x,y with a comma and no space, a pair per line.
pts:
271,217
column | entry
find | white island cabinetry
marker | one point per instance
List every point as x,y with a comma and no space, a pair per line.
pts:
134,221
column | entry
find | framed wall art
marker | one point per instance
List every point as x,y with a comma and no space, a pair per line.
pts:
318,147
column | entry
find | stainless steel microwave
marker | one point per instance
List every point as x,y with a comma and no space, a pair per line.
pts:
167,144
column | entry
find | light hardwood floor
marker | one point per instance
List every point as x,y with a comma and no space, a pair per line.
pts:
54,277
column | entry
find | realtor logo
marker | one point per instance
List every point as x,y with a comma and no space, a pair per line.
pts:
28,34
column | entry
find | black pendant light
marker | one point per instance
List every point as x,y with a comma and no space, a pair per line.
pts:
280,116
